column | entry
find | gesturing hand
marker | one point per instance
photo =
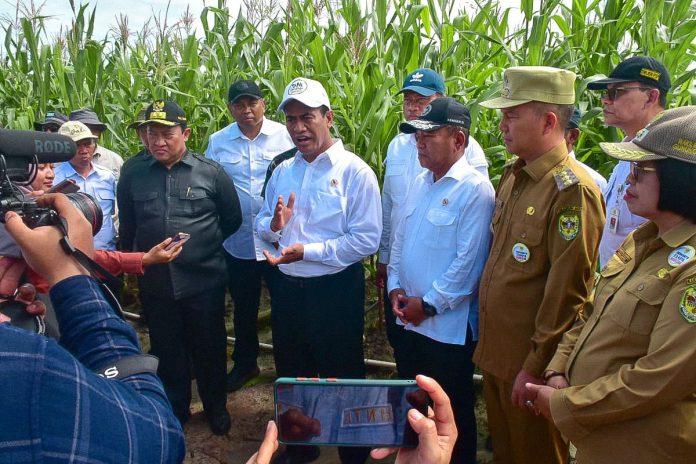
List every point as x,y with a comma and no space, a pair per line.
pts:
282,213
288,255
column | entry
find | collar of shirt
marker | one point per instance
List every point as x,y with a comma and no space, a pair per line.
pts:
186,159
333,153
457,171
678,234
70,170
266,129
538,168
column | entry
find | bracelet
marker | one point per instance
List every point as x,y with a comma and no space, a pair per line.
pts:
552,374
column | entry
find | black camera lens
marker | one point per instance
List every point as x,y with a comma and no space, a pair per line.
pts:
89,208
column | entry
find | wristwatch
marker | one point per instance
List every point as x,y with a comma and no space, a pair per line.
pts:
429,309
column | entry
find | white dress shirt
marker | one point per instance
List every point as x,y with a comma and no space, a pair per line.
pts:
108,159
337,214
100,183
246,161
597,177
401,169
440,249
626,222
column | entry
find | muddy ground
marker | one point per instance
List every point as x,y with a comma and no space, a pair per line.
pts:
252,406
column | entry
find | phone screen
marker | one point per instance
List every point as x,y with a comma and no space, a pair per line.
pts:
343,412
180,237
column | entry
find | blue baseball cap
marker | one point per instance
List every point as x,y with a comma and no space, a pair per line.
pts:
425,82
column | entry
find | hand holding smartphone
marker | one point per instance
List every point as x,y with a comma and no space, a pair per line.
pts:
180,237
342,412
64,186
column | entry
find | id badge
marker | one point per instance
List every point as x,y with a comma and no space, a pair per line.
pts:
614,220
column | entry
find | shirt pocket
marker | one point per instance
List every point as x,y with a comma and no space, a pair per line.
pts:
193,202
230,159
642,306
327,214
525,251
442,225
395,178
146,205
106,199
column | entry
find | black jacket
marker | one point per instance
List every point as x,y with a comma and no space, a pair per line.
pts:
195,196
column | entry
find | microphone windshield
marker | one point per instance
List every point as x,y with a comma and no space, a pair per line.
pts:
48,147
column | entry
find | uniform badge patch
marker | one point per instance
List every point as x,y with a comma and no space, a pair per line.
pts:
520,252
681,255
530,211
687,305
662,273
568,225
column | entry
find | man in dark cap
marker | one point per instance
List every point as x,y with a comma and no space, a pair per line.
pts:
52,122
436,261
102,156
572,133
244,149
633,94
171,191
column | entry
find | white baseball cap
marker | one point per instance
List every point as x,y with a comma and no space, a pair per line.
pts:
306,91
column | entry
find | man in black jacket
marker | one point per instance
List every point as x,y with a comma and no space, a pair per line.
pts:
172,191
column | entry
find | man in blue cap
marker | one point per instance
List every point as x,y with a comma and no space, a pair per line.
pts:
420,88
572,132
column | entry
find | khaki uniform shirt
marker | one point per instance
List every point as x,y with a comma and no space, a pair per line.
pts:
547,224
631,358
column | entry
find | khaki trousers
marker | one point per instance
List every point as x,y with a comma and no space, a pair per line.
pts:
519,436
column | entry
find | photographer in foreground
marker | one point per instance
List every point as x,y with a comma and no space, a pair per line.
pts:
54,406
437,433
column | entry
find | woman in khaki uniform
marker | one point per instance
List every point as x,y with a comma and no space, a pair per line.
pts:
622,384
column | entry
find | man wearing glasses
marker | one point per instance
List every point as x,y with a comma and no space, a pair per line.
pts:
633,94
244,149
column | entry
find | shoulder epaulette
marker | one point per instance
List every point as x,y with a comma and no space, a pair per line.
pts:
565,177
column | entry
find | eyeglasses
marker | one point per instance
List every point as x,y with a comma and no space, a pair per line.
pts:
616,92
416,100
242,105
637,171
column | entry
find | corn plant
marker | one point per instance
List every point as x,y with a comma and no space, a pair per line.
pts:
360,56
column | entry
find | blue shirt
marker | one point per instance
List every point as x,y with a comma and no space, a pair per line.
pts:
101,184
441,247
246,162
55,409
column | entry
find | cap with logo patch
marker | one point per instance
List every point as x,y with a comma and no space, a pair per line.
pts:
441,112
644,69
306,91
243,88
55,118
671,134
425,82
76,131
166,113
524,84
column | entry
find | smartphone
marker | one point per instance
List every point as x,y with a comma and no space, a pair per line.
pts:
345,412
180,237
64,186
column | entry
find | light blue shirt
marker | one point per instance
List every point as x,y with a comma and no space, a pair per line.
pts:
100,183
440,249
626,223
337,214
246,161
401,169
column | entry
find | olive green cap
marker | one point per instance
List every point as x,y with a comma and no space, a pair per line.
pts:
671,134
524,84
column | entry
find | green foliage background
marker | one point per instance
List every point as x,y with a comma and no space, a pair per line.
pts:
360,56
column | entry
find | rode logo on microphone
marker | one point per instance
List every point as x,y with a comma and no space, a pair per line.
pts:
52,146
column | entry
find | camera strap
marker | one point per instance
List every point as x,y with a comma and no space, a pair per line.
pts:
95,270
125,367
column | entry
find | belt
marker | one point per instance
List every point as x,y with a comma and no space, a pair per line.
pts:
313,282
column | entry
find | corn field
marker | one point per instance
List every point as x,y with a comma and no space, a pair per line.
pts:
360,55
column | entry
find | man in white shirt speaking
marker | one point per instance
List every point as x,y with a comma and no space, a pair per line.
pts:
439,252
322,206
244,149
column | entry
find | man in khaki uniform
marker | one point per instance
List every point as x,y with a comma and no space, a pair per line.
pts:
547,225
631,359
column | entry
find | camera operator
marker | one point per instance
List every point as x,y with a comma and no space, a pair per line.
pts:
55,407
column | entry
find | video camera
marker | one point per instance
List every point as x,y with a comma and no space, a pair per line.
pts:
20,154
